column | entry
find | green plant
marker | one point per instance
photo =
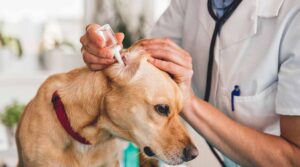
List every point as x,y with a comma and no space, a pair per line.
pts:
11,42
68,44
11,115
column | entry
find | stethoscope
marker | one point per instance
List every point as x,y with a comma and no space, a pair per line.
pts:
218,26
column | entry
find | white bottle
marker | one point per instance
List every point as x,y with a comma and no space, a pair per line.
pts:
110,40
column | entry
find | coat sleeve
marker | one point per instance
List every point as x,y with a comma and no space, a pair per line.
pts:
170,24
288,93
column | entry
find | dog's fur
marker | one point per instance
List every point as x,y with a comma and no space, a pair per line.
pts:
101,106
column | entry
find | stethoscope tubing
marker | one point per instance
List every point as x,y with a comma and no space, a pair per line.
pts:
218,26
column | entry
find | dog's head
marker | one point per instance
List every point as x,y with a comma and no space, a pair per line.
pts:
143,106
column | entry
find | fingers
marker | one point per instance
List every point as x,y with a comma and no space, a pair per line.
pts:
92,42
169,67
92,24
92,59
93,49
163,42
179,73
167,50
168,54
89,46
120,37
96,67
105,53
94,52
95,38
92,35
169,57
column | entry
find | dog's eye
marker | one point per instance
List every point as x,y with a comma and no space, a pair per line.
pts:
162,109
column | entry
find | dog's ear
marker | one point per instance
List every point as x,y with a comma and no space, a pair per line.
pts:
134,60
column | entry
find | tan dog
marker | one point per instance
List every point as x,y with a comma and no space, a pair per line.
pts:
137,102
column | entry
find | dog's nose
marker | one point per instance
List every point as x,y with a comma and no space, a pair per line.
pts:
189,153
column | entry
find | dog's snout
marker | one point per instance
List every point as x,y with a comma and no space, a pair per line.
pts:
189,153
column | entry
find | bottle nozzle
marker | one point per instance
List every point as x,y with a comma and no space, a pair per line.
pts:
116,51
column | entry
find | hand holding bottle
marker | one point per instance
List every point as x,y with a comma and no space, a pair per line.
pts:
96,51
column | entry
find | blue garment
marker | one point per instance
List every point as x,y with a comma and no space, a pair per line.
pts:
220,6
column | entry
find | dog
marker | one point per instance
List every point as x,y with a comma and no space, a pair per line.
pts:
76,118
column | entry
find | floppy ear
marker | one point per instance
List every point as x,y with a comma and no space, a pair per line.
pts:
133,59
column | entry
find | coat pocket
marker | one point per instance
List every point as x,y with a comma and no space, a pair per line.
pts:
257,111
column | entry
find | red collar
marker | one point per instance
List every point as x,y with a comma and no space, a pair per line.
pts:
63,119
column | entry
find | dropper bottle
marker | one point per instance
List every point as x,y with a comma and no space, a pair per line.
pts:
110,40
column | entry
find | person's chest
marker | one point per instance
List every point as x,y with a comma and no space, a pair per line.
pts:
246,54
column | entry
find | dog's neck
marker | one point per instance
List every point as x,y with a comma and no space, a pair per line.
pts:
82,96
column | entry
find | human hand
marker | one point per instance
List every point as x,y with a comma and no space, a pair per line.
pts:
169,57
94,52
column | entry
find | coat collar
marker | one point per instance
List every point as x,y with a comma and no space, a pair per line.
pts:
243,22
269,8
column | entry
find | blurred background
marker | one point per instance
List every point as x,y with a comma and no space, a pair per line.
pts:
41,37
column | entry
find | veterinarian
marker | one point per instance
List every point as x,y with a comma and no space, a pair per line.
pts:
243,56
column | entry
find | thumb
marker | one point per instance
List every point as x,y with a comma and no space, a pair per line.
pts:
120,37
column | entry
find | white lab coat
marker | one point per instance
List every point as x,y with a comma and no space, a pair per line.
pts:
258,49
